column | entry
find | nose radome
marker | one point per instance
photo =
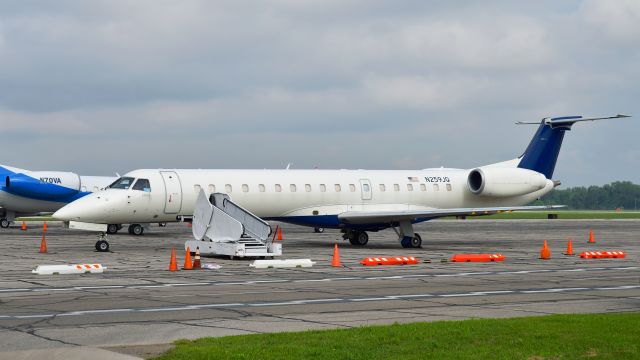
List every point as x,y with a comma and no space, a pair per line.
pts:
68,212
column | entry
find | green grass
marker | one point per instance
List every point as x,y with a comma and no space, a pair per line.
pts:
562,214
35,218
595,336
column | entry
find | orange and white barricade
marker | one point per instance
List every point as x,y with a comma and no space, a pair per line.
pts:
389,260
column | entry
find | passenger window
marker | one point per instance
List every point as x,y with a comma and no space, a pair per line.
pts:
262,188
228,188
212,188
292,187
396,187
196,188
352,188
307,187
245,188
409,187
448,187
338,188
423,187
142,185
278,188
436,187
323,188
366,187
382,187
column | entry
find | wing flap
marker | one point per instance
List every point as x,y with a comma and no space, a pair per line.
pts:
367,217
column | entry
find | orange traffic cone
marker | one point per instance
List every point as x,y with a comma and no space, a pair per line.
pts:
545,253
44,227
569,248
279,233
196,260
24,226
43,245
187,260
592,239
335,262
172,264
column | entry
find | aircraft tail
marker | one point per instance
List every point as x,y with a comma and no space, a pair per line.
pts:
542,153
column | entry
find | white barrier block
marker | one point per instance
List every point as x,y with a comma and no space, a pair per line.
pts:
69,269
290,263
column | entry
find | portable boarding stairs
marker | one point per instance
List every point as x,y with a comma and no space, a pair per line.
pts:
222,227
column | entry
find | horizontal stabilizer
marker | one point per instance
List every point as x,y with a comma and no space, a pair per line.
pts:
567,121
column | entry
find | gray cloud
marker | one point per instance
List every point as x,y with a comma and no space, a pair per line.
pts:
105,86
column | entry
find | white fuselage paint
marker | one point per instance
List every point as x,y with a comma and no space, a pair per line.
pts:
287,194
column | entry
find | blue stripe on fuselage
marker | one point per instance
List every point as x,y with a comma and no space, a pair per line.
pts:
45,191
333,222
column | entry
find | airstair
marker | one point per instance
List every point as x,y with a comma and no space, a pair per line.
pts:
222,227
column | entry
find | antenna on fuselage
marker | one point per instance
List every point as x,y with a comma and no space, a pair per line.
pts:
288,166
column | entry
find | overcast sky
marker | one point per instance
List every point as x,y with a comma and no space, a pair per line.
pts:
97,87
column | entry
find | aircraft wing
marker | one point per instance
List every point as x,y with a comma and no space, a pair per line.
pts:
371,217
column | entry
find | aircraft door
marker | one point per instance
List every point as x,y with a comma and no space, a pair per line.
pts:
173,189
365,187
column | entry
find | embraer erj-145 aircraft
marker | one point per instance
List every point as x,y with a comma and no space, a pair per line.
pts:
355,201
26,193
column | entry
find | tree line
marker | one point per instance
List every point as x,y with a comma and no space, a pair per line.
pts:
619,194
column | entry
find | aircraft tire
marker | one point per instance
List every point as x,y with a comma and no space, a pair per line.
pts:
359,238
406,242
112,229
102,246
4,223
162,224
318,230
137,229
416,241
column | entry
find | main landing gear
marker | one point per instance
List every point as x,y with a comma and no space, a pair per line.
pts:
102,245
113,228
136,229
356,238
406,236
5,223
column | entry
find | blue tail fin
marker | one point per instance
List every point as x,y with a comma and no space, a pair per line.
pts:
542,153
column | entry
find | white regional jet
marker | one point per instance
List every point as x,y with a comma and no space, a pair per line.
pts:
355,201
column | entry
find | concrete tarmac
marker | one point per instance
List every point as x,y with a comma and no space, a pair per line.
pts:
137,307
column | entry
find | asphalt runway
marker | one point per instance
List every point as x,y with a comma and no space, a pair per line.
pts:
137,306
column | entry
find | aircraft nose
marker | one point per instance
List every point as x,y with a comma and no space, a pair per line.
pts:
69,212
83,209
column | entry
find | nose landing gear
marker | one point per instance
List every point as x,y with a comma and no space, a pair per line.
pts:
102,245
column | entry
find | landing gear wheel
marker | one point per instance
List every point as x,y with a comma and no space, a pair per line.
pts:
416,241
318,230
112,229
4,223
102,246
136,229
406,242
359,238
162,224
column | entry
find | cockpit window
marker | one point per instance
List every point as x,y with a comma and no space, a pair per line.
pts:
122,183
142,185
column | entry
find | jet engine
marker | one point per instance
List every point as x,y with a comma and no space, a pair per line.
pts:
45,185
504,182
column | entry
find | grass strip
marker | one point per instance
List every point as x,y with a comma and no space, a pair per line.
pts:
579,336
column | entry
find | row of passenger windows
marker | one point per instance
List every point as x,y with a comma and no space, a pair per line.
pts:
228,188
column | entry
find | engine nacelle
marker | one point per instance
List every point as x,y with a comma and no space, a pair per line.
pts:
44,185
504,182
